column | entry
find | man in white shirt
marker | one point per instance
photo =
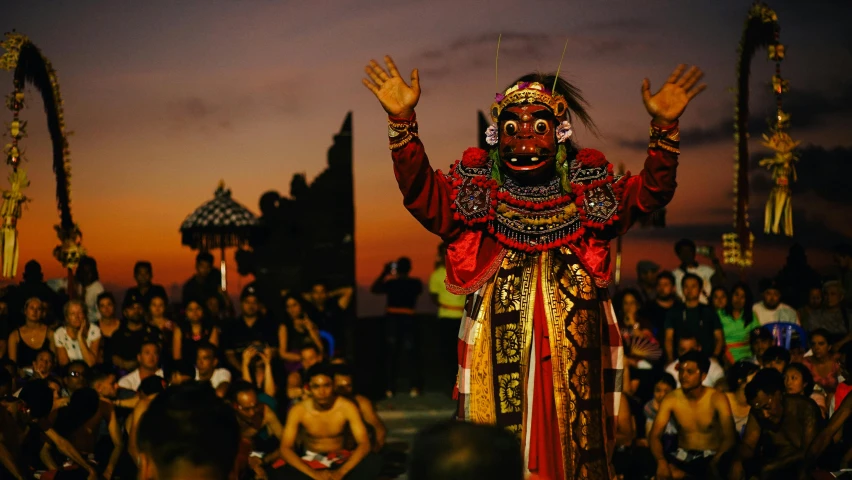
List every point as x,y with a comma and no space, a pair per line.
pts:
149,359
770,309
206,371
685,250
686,344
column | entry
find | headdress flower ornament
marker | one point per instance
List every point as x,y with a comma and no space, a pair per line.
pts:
491,134
563,132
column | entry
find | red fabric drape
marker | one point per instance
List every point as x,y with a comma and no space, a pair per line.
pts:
545,460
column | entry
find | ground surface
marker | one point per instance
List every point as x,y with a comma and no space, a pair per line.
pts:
405,416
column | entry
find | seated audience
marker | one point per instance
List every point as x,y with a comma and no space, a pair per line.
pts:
799,381
296,330
148,360
207,369
770,309
693,319
738,321
779,430
37,401
251,328
760,339
259,426
127,341
311,356
30,338
76,375
688,344
822,364
195,329
833,317
776,357
182,371
257,370
80,423
706,432
78,339
664,385
375,426
738,377
323,420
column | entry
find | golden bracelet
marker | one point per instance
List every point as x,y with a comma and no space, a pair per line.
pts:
400,134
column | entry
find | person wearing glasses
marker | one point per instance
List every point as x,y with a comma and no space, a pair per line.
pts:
259,426
76,374
783,426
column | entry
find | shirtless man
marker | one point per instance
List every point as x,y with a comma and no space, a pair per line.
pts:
343,387
323,419
255,418
779,430
705,425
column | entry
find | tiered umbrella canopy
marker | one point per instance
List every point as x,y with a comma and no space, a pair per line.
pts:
219,223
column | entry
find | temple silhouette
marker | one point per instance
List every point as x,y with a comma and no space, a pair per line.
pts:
308,236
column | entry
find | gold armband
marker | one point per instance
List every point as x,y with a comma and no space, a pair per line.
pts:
399,134
665,138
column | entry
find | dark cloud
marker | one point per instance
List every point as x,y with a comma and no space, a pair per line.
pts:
192,108
809,109
197,113
478,51
212,114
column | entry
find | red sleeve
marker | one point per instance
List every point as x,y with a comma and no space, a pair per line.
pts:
652,189
425,193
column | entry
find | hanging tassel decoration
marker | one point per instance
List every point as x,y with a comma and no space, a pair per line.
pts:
13,199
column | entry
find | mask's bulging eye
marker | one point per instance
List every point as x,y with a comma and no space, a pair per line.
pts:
541,126
510,127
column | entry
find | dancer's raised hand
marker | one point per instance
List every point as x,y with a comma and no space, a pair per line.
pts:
668,104
396,97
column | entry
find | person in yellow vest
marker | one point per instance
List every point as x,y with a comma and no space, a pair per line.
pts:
450,310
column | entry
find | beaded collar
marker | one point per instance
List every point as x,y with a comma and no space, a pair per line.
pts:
541,217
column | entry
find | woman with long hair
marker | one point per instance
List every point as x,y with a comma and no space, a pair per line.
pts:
194,330
737,323
78,339
628,307
822,364
32,337
157,318
295,331
639,376
799,381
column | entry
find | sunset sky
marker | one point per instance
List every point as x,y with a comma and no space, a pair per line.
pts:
167,98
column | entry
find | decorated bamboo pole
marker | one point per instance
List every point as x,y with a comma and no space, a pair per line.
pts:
761,30
29,66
